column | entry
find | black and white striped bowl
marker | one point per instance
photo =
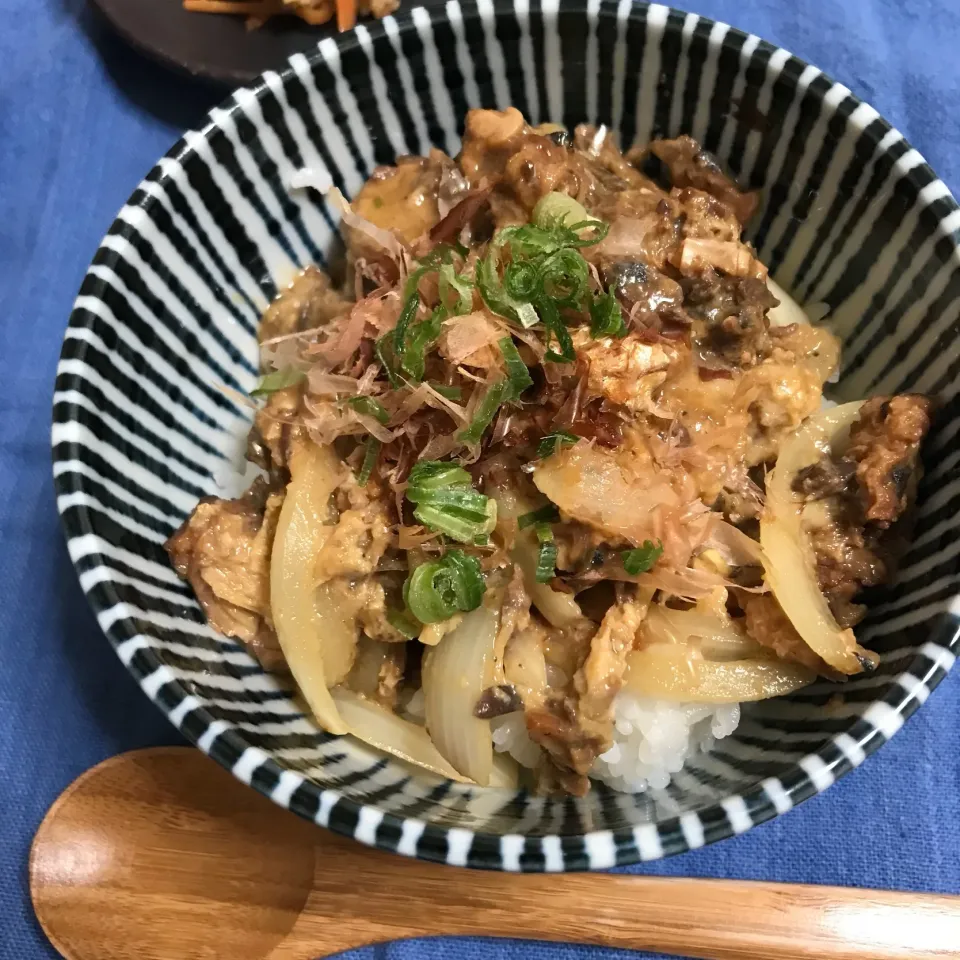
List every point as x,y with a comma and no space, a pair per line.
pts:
165,319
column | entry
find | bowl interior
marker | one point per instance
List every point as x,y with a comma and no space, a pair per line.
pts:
162,341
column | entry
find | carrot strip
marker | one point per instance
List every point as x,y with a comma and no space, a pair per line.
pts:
314,15
346,14
250,8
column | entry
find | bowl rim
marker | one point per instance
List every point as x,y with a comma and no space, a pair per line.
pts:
328,807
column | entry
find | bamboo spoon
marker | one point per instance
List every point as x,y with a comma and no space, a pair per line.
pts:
161,855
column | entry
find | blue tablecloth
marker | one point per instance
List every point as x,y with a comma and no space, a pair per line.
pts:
81,119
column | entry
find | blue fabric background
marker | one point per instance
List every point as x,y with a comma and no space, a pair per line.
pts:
82,118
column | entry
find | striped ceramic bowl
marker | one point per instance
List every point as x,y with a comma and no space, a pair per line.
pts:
165,319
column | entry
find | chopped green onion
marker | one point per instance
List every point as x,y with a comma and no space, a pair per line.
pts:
370,407
521,280
446,501
494,295
497,393
410,307
369,460
530,240
404,622
411,356
565,278
437,590
545,273
461,285
443,253
558,208
555,325
546,555
527,315
518,375
432,474
459,521
599,228
641,559
450,393
606,317
546,514
277,380
385,349
553,442
422,337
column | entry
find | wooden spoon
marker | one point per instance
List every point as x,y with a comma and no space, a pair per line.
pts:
161,855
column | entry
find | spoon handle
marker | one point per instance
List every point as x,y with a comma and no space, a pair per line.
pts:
388,897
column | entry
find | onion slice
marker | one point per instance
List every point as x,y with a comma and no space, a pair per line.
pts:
383,729
789,560
672,672
560,609
714,632
317,641
455,673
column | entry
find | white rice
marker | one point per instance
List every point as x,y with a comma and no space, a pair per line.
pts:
652,740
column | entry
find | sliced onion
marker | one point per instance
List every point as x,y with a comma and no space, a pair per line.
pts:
455,674
372,657
317,640
560,609
790,562
674,672
589,485
525,666
383,729
504,774
718,636
789,311
734,545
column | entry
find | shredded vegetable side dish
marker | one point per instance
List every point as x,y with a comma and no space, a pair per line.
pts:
549,487
314,12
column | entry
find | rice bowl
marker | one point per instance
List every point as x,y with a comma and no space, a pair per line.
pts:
274,746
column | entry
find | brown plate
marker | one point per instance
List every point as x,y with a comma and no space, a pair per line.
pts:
209,45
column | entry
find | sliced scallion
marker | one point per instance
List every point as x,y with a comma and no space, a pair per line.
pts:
555,326
642,558
462,523
450,280
496,394
385,349
370,407
437,590
518,375
545,514
431,474
448,392
606,317
410,307
546,554
558,208
447,503
553,442
277,380
420,339
405,623
371,453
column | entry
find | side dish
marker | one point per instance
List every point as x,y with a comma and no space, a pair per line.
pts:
314,12
550,476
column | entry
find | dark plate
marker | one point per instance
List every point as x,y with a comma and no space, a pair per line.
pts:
209,45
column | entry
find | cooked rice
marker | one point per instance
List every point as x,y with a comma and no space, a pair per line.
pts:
652,740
